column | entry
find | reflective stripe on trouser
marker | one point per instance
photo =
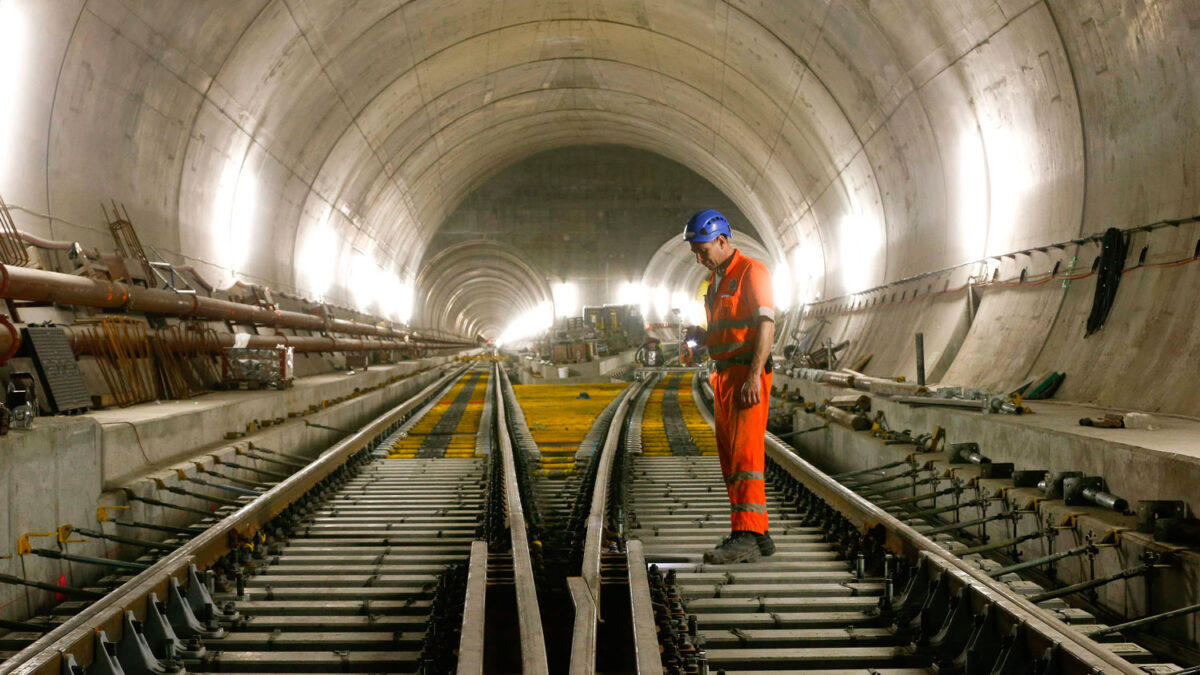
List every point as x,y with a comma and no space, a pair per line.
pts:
740,432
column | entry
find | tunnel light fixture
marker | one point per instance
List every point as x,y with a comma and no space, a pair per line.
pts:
632,293
406,301
529,324
364,281
1010,179
319,257
679,301
859,248
782,285
661,298
807,267
222,210
241,220
388,291
566,299
232,224
973,194
395,296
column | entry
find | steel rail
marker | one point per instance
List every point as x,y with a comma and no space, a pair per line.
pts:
647,655
470,642
76,635
585,589
902,538
529,616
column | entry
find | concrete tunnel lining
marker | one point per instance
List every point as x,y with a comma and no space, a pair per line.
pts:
865,144
876,151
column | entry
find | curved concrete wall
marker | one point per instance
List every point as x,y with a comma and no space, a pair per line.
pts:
866,142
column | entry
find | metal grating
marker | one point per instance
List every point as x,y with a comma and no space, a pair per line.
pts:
54,359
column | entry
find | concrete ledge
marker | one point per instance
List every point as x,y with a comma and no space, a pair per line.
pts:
157,433
1137,463
1041,441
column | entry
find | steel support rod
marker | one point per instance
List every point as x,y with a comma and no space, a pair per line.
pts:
228,488
174,489
169,505
859,472
997,545
1038,562
885,479
264,472
186,531
1094,583
132,541
926,513
91,560
65,590
803,431
876,492
1145,621
951,527
916,498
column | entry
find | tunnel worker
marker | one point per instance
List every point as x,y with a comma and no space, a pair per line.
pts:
741,330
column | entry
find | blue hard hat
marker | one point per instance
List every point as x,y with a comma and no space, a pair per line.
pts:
706,226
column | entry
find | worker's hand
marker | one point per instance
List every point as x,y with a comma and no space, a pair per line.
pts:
751,392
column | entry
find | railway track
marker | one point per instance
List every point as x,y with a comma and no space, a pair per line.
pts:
358,562
851,587
376,558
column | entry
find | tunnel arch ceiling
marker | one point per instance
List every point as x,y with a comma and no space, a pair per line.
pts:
319,145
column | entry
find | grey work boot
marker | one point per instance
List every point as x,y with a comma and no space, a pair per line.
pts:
738,547
766,545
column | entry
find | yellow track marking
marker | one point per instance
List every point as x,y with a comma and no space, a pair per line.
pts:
558,420
462,441
654,434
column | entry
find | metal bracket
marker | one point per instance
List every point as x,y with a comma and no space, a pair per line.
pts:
1069,522
23,545
64,535
102,512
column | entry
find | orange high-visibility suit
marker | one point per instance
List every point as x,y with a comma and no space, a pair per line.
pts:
736,303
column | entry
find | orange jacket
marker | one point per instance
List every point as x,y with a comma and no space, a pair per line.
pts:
736,305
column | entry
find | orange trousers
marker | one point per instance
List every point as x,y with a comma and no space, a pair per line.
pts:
740,434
